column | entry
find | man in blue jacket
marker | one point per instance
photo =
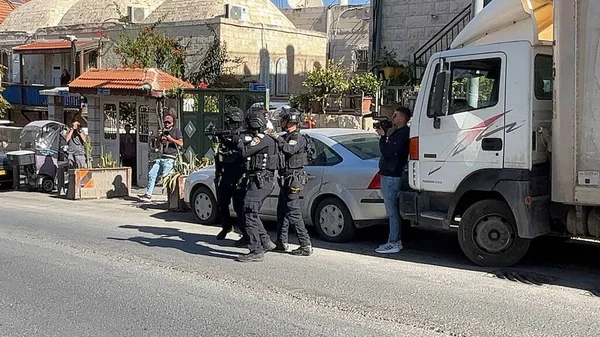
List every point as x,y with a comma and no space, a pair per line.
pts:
394,146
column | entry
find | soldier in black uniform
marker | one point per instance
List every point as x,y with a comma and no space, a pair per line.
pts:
292,178
261,161
228,172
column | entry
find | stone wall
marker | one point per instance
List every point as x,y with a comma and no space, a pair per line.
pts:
348,27
269,49
409,24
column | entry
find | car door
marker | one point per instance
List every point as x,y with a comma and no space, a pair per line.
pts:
469,137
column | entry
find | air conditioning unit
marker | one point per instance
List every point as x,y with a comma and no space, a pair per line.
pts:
137,14
366,13
237,12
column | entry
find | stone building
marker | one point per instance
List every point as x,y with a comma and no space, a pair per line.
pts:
408,25
274,51
347,28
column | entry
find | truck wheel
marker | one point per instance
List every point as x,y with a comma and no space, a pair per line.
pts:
205,206
487,234
333,221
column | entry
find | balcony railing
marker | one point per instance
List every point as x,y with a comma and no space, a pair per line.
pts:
440,41
29,95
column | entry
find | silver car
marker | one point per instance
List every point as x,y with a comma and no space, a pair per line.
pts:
342,194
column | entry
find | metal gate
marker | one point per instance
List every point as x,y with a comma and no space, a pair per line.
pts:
203,109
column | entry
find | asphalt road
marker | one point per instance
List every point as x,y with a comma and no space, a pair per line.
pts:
121,268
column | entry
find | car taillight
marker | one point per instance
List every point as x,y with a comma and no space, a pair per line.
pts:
414,148
375,183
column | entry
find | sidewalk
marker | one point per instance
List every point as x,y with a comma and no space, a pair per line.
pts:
158,194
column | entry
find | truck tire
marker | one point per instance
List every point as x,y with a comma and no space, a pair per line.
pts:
488,236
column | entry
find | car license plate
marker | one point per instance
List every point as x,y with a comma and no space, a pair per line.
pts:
2,172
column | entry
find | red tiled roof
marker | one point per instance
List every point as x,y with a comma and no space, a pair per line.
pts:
128,79
46,45
7,6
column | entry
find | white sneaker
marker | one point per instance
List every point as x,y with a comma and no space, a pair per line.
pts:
389,248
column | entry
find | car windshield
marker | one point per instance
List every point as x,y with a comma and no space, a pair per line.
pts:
364,146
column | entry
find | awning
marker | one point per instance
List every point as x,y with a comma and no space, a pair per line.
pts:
55,47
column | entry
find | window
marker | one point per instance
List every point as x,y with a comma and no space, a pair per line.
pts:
475,85
363,146
361,60
110,121
543,79
430,112
325,156
143,133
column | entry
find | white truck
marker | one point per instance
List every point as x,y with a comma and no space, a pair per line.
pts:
505,136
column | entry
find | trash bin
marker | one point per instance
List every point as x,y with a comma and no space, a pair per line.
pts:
18,159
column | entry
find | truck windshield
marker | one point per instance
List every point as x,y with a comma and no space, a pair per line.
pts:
364,146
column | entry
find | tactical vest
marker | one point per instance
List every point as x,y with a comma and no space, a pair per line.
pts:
297,160
265,159
227,155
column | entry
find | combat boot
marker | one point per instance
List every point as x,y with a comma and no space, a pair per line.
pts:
251,257
223,233
281,247
302,251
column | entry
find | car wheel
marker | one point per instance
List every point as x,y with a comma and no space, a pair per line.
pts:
488,236
47,185
204,206
333,221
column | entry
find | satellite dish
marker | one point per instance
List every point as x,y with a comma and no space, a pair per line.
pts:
304,3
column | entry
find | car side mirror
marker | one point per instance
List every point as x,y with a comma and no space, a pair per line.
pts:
440,97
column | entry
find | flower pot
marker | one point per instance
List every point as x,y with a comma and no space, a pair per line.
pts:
175,196
366,103
391,72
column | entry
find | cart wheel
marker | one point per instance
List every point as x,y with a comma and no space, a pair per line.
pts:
47,185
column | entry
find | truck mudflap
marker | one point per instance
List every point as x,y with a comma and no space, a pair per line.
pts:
530,212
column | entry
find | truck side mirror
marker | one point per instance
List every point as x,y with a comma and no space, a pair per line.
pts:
440,97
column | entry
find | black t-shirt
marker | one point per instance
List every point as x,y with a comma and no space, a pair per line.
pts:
171,148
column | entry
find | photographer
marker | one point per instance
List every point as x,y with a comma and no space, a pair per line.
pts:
394,146
169,142
76,145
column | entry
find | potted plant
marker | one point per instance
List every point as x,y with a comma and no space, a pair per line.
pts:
387,63
322,83
175,180
107,180
366,85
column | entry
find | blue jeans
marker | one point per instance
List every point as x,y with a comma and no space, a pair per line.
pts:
390,188
161,164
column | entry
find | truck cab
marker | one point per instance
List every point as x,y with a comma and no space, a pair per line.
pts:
481,134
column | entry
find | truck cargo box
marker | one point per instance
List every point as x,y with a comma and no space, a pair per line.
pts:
576,123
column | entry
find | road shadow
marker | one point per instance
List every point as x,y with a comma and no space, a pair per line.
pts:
174,238
573,264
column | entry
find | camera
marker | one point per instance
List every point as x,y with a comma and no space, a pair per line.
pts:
382,124
165,133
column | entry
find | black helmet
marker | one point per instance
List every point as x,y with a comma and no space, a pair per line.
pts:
234,115
290,114
256,120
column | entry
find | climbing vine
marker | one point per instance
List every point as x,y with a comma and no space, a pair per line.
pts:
151,48
216,67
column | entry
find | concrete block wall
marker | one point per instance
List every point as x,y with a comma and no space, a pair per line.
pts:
409,24
348,29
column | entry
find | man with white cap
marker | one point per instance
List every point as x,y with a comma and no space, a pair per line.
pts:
169,143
